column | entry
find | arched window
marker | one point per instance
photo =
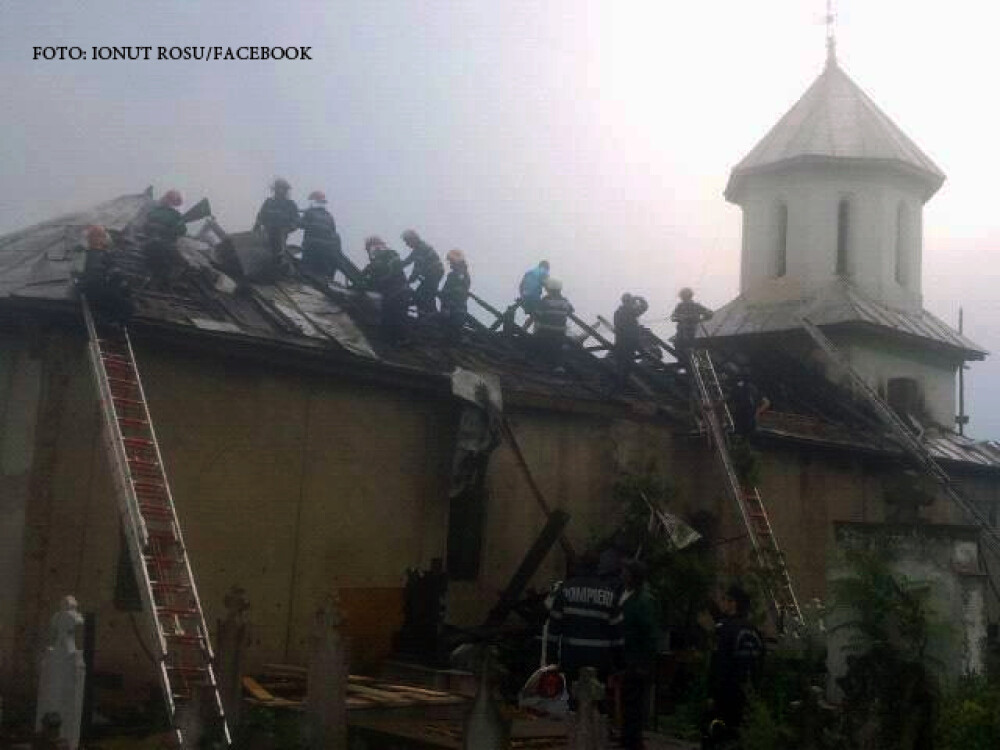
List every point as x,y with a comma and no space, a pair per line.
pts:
781,242
843,237
903,243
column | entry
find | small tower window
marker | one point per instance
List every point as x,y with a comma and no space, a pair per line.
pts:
903,243
843,237
781,242
903,395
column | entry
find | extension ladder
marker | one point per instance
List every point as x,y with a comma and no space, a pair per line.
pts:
170,599
719,424
904,436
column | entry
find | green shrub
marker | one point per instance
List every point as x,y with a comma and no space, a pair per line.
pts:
970,717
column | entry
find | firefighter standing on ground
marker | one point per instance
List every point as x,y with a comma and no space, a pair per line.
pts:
427,271
585,622
639,652
735,666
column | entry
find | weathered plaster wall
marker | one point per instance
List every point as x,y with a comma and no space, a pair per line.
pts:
20,385
281,487
291,484
812,196
941,558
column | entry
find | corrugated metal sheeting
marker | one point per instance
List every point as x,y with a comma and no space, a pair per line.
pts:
837,303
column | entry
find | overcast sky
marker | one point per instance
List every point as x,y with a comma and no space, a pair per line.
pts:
599,135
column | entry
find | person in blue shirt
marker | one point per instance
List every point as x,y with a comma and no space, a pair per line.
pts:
532,286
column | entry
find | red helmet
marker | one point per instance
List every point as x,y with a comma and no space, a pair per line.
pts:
172,198
317,195
97,237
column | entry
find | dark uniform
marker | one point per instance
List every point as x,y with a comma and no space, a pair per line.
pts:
384,274
550,326
736,663
455,300
585,621
745,401
688,315
628,335
162,228
321,249
279,217
105,287
428,271
639,630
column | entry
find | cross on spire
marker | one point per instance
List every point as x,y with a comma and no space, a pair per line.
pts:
831,34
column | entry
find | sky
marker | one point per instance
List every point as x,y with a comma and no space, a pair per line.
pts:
598,135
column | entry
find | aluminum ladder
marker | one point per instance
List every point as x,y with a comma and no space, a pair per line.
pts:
170,600
909,442
719,424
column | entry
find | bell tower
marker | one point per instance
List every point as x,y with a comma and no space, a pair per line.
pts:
832,199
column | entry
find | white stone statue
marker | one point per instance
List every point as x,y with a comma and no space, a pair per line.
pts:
61,677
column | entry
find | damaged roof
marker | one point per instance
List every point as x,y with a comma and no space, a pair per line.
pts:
838,303
37,265
298,315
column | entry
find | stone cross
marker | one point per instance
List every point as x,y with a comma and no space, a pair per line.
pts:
326,695
232,641
588,728
61,677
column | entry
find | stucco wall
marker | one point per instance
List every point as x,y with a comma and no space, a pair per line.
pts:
291,484
20,386
944,560
812,196
878,361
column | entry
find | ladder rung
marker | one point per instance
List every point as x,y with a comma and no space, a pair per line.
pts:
115,362
185,639
138,443
125,401
188,671
158,560
121,383
167,586
145,485
133,422
161,511
183,612
165,535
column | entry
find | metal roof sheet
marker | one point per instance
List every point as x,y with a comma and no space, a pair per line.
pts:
835,120
839,302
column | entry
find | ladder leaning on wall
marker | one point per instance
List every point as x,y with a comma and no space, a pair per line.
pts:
170,600
909,442
719,425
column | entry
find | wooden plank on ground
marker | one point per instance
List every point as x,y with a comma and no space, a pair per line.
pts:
263,696
382,696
